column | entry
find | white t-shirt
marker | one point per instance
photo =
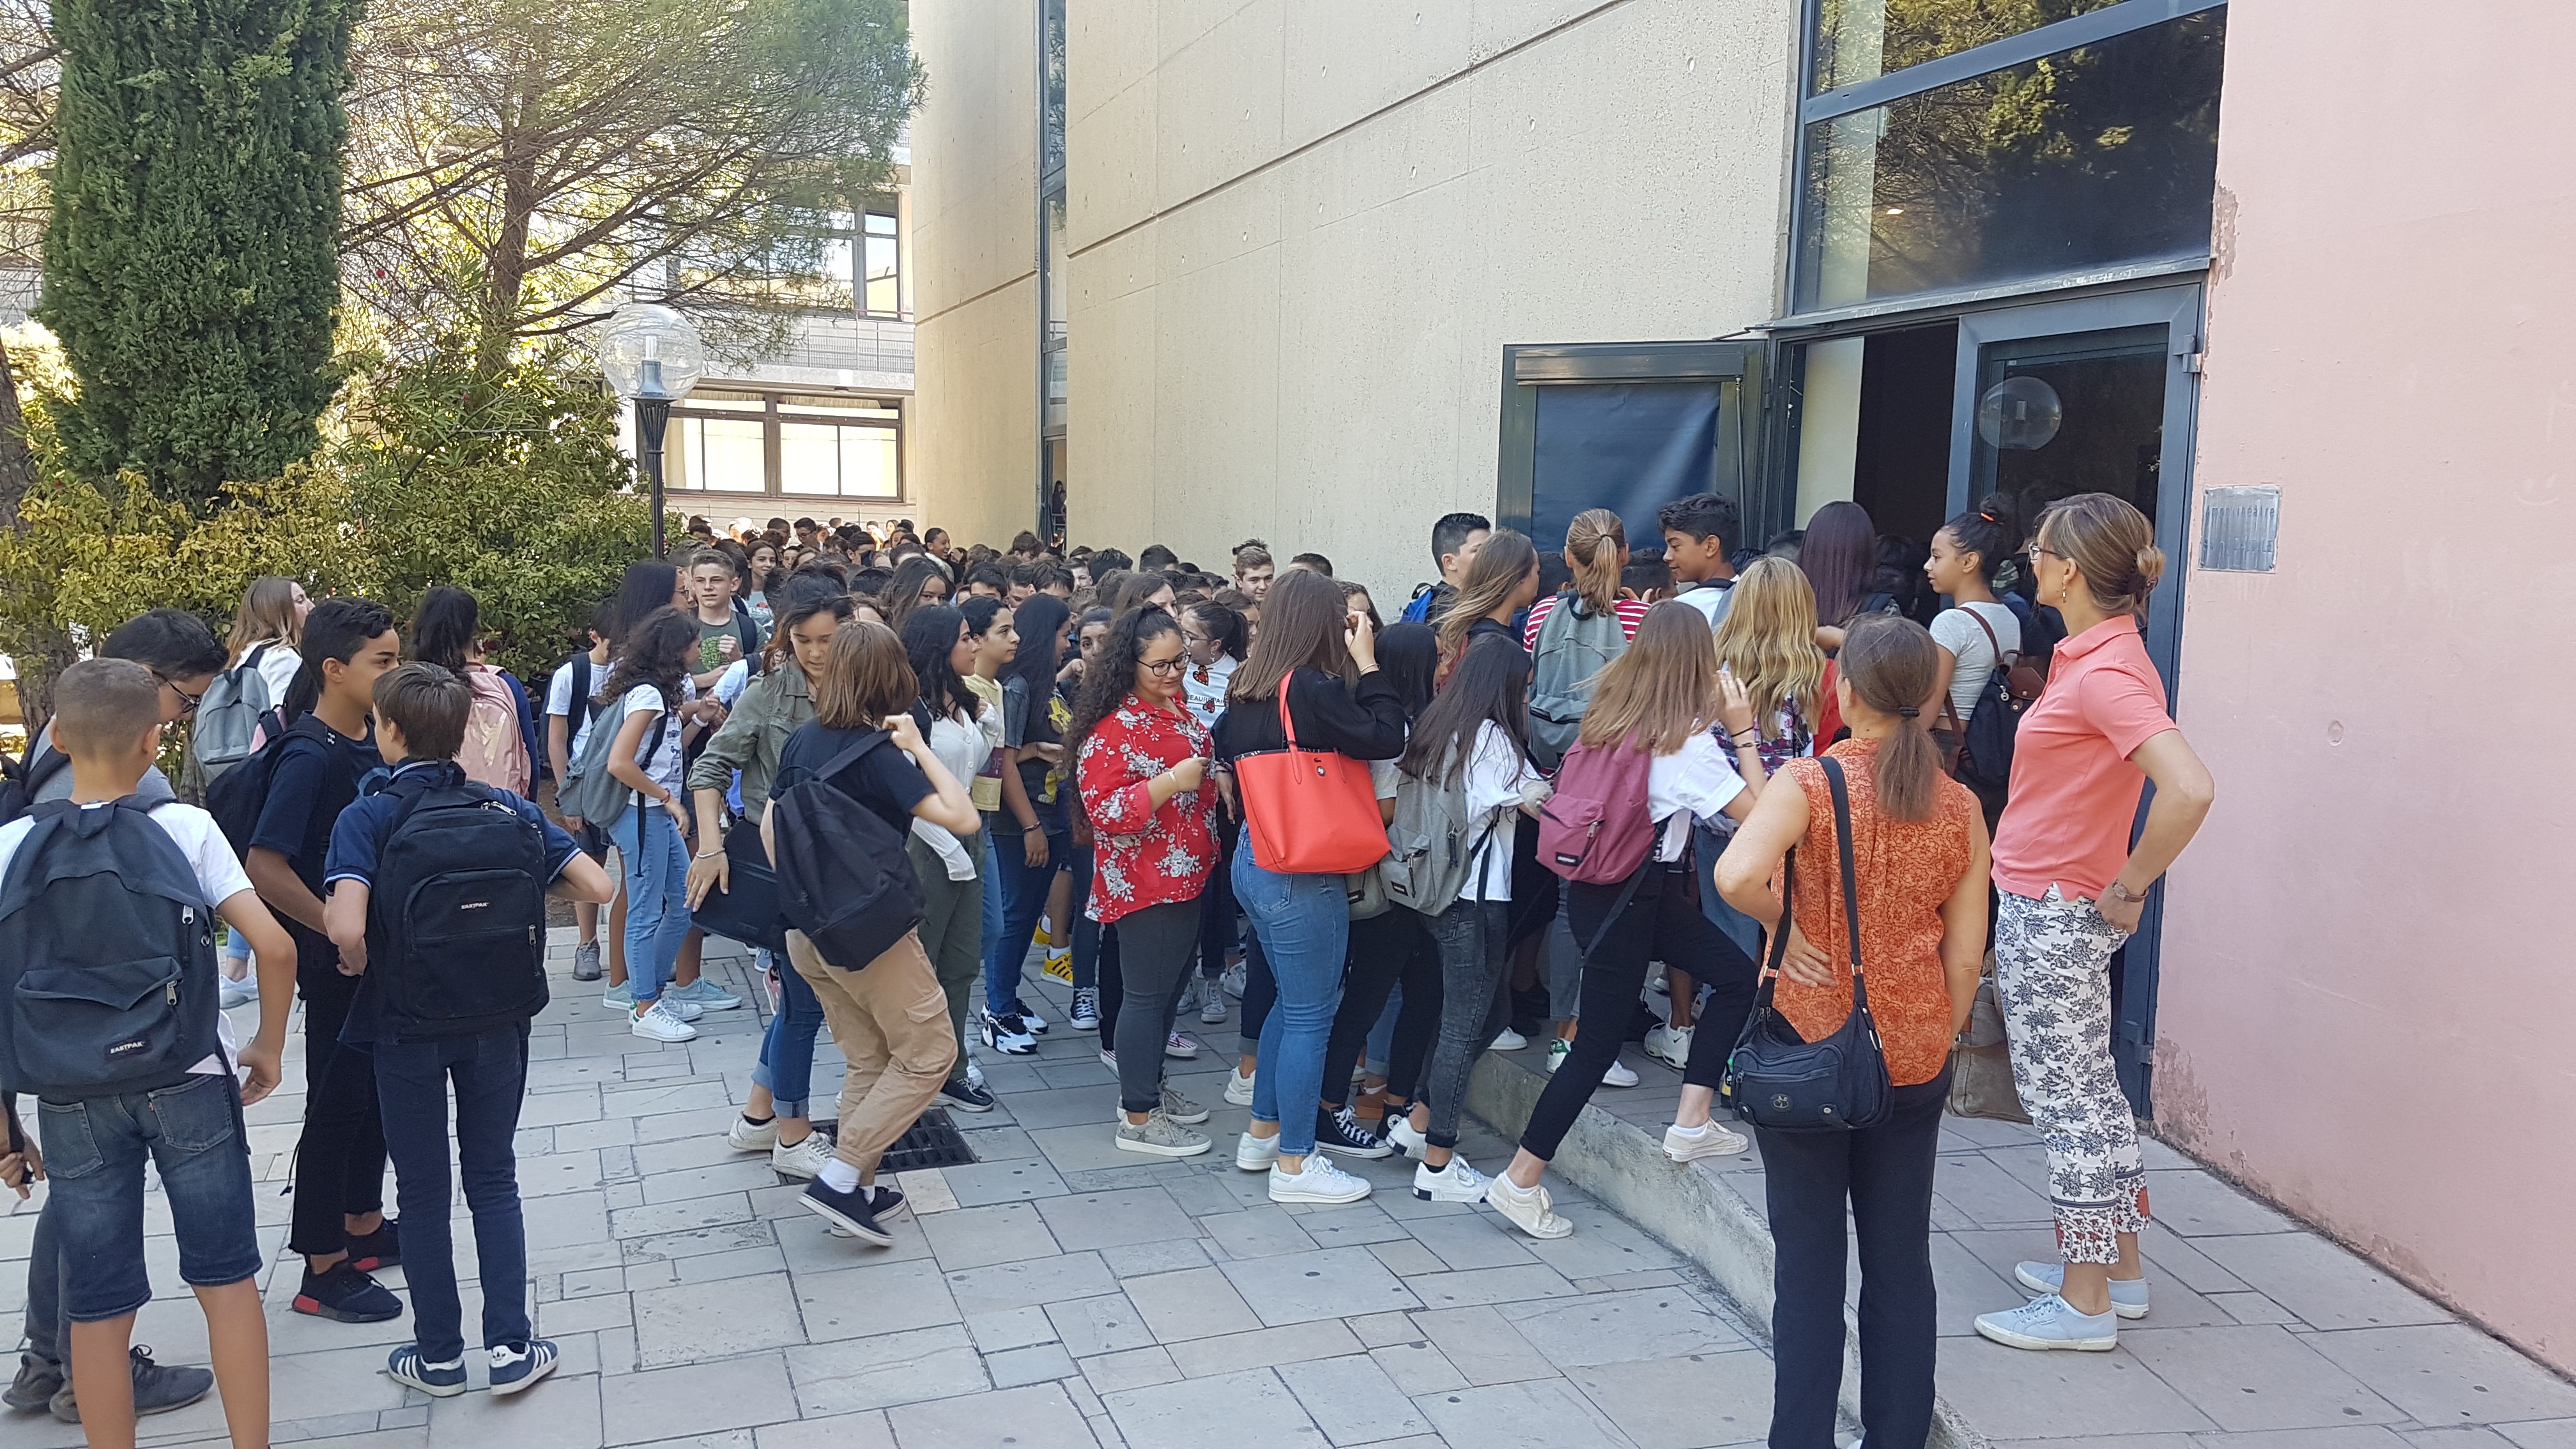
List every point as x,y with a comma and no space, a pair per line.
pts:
559,700
1495,775
1711,598
1955,631
961,745
1697,779
1206,697
278,666
660,757
219,875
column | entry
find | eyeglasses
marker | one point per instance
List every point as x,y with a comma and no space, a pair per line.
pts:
187,702
2036,553
1164,667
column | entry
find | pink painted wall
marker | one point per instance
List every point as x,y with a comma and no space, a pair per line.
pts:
2370,963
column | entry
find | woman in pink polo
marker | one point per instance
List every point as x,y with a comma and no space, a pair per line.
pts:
2069,886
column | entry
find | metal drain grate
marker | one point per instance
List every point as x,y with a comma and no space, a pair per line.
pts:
932,1141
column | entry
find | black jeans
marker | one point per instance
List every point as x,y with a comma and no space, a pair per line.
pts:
1260,993
490,1071
1385,950
1475,956
1885,1173
340,1159
1217,917
1661,923
1154,950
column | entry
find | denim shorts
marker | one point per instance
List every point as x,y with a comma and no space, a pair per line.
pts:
94,1153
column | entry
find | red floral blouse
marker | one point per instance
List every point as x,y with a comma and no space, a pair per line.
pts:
1146,856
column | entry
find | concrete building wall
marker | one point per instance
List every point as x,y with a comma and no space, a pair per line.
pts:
974,429
1302,233
2366,981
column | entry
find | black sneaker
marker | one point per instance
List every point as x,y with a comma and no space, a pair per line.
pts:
379,1249
965,1096
1342,1132
157,1390
880,1200
1009,1035
36,1384
852,1212
346,1295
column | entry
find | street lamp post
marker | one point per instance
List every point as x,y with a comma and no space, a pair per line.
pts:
651,356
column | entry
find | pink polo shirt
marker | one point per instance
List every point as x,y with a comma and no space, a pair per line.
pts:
2074,793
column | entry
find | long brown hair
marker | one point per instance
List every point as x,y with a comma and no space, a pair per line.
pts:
1501,566
1303,622
1595,544
866,677
2111,543
267,612
1768,642
1891,662
1663,690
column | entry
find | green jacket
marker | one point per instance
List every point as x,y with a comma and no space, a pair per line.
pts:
753,736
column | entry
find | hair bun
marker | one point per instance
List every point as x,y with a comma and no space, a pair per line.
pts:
2151,567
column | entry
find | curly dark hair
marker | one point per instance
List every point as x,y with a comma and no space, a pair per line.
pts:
658,651
1107,683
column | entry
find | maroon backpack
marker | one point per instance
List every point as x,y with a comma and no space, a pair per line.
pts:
1597,828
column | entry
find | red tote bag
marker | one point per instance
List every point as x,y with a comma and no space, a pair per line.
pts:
1311,812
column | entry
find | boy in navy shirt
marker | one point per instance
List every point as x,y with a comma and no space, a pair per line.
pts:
421,713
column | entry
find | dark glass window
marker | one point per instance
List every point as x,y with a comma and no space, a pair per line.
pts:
1860,40
2092,157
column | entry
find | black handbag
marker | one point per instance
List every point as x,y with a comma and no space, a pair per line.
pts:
1776,1080
746,910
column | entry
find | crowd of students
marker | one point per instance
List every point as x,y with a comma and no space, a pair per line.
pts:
1554,799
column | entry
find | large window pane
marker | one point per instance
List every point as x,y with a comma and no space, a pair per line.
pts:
809,458
1860,40
884,288
2093,157
868,463
720,454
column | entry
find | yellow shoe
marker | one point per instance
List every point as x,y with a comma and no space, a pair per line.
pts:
1059,966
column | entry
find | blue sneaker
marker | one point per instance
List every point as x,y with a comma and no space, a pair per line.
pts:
705,995
441,1380
618,998
2128,1300
517,1365
2048,1322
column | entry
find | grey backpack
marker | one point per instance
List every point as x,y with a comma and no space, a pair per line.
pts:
1574,645
589,793
228,715
1433,848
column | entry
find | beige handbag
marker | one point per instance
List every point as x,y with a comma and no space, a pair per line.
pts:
1981,1076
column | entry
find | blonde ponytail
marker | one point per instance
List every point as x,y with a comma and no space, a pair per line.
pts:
1596,547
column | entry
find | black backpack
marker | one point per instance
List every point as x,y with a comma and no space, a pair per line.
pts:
21,778
843,877
107,956
1986,746
236,796
456,919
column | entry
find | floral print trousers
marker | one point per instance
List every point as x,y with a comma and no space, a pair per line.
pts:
2052,975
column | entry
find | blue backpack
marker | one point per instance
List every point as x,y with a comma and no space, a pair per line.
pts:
107,956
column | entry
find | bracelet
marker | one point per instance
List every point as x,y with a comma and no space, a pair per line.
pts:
708,854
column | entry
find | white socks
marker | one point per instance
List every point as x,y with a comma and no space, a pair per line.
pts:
840,1176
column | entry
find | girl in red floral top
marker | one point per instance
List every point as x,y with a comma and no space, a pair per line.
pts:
1140,765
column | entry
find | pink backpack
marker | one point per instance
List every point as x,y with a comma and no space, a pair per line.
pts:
494,753
1597,827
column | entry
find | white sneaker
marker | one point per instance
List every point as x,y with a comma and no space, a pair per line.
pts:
1238,1088
1619,1075
1234,978
233,993
1211,1002
1320,1182
1556,1054
660,1023
803,1161
1159,1136
1533,1212
1256,1154
683,1010
1455,1183
1180,1046
1670,1045
1510,1041
1681,1144
1408,1143
2128,1299
746,1135
2049,1321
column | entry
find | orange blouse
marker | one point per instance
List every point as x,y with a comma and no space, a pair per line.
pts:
1906,871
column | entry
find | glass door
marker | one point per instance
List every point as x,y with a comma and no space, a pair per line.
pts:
2093,395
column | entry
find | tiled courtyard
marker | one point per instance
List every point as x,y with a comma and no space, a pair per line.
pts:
1059,1292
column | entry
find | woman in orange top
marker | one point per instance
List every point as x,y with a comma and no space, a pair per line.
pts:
1919,860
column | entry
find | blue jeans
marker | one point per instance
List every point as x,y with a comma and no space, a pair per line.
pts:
786,1065
1024,891
1304,922
657,898
94,1151
490,1070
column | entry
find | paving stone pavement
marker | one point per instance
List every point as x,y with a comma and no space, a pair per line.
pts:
1059,1294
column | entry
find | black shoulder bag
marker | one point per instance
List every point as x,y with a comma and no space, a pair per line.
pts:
1774,1079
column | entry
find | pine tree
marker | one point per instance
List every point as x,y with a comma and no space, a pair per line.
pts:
190,265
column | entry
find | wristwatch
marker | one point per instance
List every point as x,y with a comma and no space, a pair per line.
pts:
2118,892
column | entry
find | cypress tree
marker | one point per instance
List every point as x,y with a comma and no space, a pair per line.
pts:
190,265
